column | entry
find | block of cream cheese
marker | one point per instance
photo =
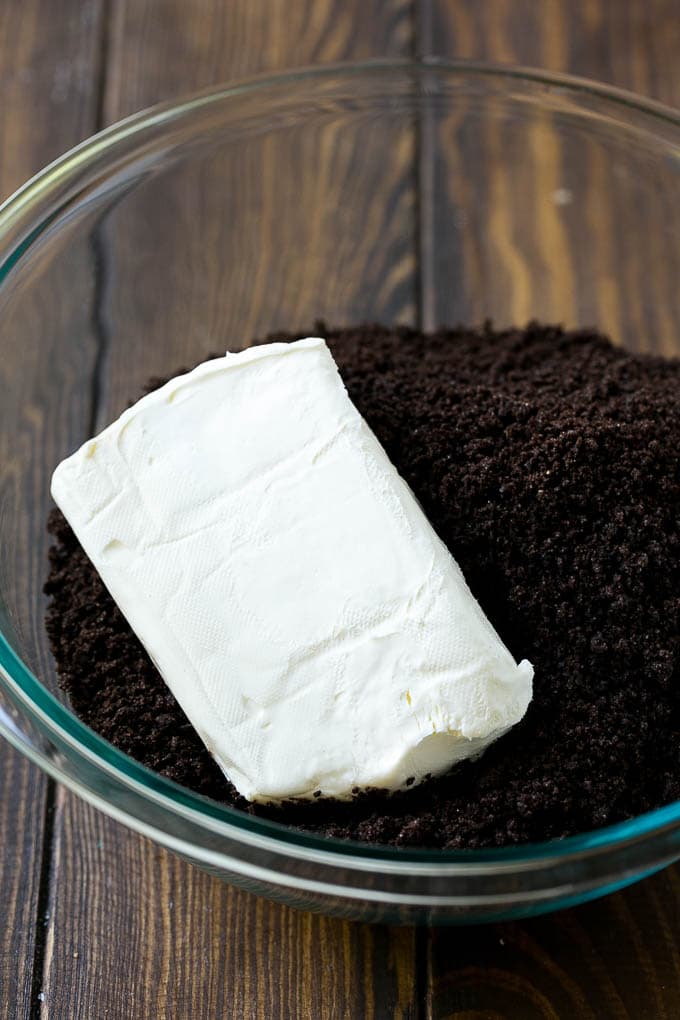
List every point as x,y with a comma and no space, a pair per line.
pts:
283,578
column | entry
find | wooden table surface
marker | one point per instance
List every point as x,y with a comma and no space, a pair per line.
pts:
99,923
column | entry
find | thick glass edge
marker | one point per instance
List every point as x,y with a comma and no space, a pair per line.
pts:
164,113
36,699
44,708
538,900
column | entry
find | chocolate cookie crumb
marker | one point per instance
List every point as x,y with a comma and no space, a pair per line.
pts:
549,463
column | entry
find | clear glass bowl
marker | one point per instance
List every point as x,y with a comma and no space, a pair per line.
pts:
388,191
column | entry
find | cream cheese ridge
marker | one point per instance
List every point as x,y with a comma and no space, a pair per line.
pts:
295,599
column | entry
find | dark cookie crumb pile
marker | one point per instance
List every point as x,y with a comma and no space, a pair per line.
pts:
549,463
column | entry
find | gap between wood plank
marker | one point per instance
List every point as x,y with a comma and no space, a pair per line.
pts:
98,245
41,918
100,332
421,970
421,13
423,46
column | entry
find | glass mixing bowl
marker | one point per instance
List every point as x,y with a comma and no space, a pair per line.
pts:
421,193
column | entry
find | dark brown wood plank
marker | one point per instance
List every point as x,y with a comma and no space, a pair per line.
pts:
279,277
629,43
583,244
48,65
136,932
618,957
160,50
22,812
47,77
133,931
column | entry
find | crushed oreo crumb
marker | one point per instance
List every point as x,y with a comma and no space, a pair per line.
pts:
549,463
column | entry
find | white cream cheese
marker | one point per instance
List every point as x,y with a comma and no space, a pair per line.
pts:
315,630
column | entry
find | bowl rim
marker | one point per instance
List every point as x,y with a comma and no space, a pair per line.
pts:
54,717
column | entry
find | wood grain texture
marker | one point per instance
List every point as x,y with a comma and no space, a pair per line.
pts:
629,43
618,957
135,932
589,241
614,959
22,814
269,233
160,49
47,75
